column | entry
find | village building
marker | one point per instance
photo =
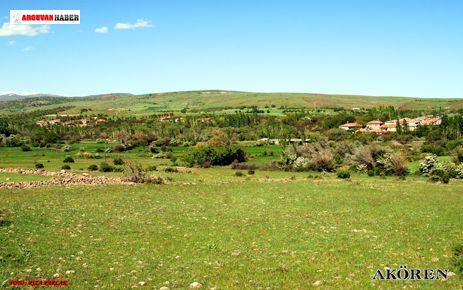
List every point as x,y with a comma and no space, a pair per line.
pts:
390,126
351,126
374,125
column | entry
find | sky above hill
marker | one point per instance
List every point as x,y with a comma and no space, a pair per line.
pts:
394,47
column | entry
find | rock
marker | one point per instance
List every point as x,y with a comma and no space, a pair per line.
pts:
195,285
317,283
164,288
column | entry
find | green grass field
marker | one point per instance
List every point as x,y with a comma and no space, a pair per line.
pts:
260,231
270,230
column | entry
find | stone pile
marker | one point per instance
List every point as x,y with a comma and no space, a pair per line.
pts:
58,178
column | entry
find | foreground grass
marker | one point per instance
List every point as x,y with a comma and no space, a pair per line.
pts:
263,231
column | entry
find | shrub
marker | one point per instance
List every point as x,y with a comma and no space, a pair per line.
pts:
446,167
458,156
25,148
99,150
164,148
459,171
120,148
68,159
216,155
93,167
428,165
313,156
156,180
173,159
39,165
4,218
445,178
66,167
457,258
251,172
337,134
153,149
238,173
133,172
364,157
171,169
118,169
398,165
236,165
151,168
105,167
343,174
434,148
118,161
434,178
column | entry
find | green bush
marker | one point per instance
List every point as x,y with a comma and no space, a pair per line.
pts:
118,161
171,169
251,172
68,159
152,168
445,178
457,259
105,167
343,174
154,149
434,148
93,167
66,167
25,148
120,148
134,172
434,178
39,165
118,169
215,155
238,173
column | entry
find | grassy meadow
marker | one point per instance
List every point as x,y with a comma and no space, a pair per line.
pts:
269,230
219,101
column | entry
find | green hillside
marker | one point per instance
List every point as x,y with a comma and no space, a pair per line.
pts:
114,104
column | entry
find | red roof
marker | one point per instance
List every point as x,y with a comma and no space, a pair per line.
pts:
350,125
374,122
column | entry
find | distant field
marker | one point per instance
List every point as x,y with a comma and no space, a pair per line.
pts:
220,100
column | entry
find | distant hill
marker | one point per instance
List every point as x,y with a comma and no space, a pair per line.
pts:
14,96
147,104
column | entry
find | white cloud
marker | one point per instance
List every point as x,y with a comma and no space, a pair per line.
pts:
141,23
102,29
11,42
28,48
8,29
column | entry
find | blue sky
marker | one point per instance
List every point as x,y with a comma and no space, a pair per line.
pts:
401,48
